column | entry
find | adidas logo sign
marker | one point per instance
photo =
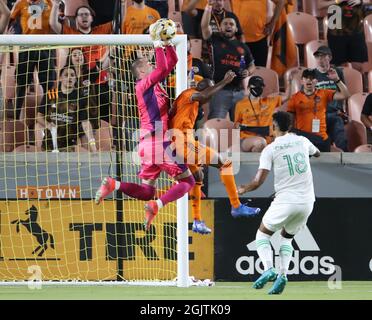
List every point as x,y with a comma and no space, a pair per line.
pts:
300,264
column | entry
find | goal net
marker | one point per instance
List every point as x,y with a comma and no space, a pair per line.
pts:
68,119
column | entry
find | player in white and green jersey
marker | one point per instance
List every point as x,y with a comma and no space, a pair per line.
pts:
294,199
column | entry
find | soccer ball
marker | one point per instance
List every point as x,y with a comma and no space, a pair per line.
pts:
166,29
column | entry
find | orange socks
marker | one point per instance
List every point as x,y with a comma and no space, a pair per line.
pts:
227,178
195,194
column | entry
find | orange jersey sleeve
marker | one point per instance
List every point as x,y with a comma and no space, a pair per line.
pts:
16,10
329,94
186,111
238,111
105,28
68,30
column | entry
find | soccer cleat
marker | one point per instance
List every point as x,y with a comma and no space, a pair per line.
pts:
279,285
151,210
107,186
244,211
268,275
199,226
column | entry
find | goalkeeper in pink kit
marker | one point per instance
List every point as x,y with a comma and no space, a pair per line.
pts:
153,104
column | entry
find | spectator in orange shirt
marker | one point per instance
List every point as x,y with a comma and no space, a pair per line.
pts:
139,17
33,16
253,115
309,107
257,28
84,18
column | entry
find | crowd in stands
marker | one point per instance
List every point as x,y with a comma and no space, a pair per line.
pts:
302,56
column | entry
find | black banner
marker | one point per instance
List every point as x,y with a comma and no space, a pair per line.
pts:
335,244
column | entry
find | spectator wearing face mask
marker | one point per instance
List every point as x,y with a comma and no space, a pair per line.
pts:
253,115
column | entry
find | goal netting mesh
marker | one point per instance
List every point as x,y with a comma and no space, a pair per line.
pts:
69,118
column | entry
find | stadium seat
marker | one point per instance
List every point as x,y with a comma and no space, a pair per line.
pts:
8,81
104,137
296,74
34,96
368,28
367,66
310,48
72,5
364,148
304,27
271,80
25,148
172,6
212,136
325,27
175,16
12,135
311,7
356,135
355,106
370,81
62,54
196,48
353,80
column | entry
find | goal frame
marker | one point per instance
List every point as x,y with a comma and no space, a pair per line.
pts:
180,42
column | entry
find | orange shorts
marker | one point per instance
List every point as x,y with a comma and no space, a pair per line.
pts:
196,154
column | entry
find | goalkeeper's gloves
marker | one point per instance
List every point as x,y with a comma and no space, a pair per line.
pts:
158,44
168,43
154,31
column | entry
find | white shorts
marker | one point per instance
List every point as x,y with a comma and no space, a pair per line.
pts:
292,217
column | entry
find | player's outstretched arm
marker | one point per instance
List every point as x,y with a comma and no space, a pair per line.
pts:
205,95
258,180
160,71
171,56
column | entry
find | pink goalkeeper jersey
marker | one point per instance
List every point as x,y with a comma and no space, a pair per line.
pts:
152,99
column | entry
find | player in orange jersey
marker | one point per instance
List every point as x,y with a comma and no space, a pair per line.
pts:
182,120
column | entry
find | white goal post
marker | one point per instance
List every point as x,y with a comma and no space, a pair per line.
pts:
180,42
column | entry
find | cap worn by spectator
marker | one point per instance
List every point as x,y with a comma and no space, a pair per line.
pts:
256,81
323,50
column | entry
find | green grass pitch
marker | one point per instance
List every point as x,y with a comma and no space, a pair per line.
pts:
360,290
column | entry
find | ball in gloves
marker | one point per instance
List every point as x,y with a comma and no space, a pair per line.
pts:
166,29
